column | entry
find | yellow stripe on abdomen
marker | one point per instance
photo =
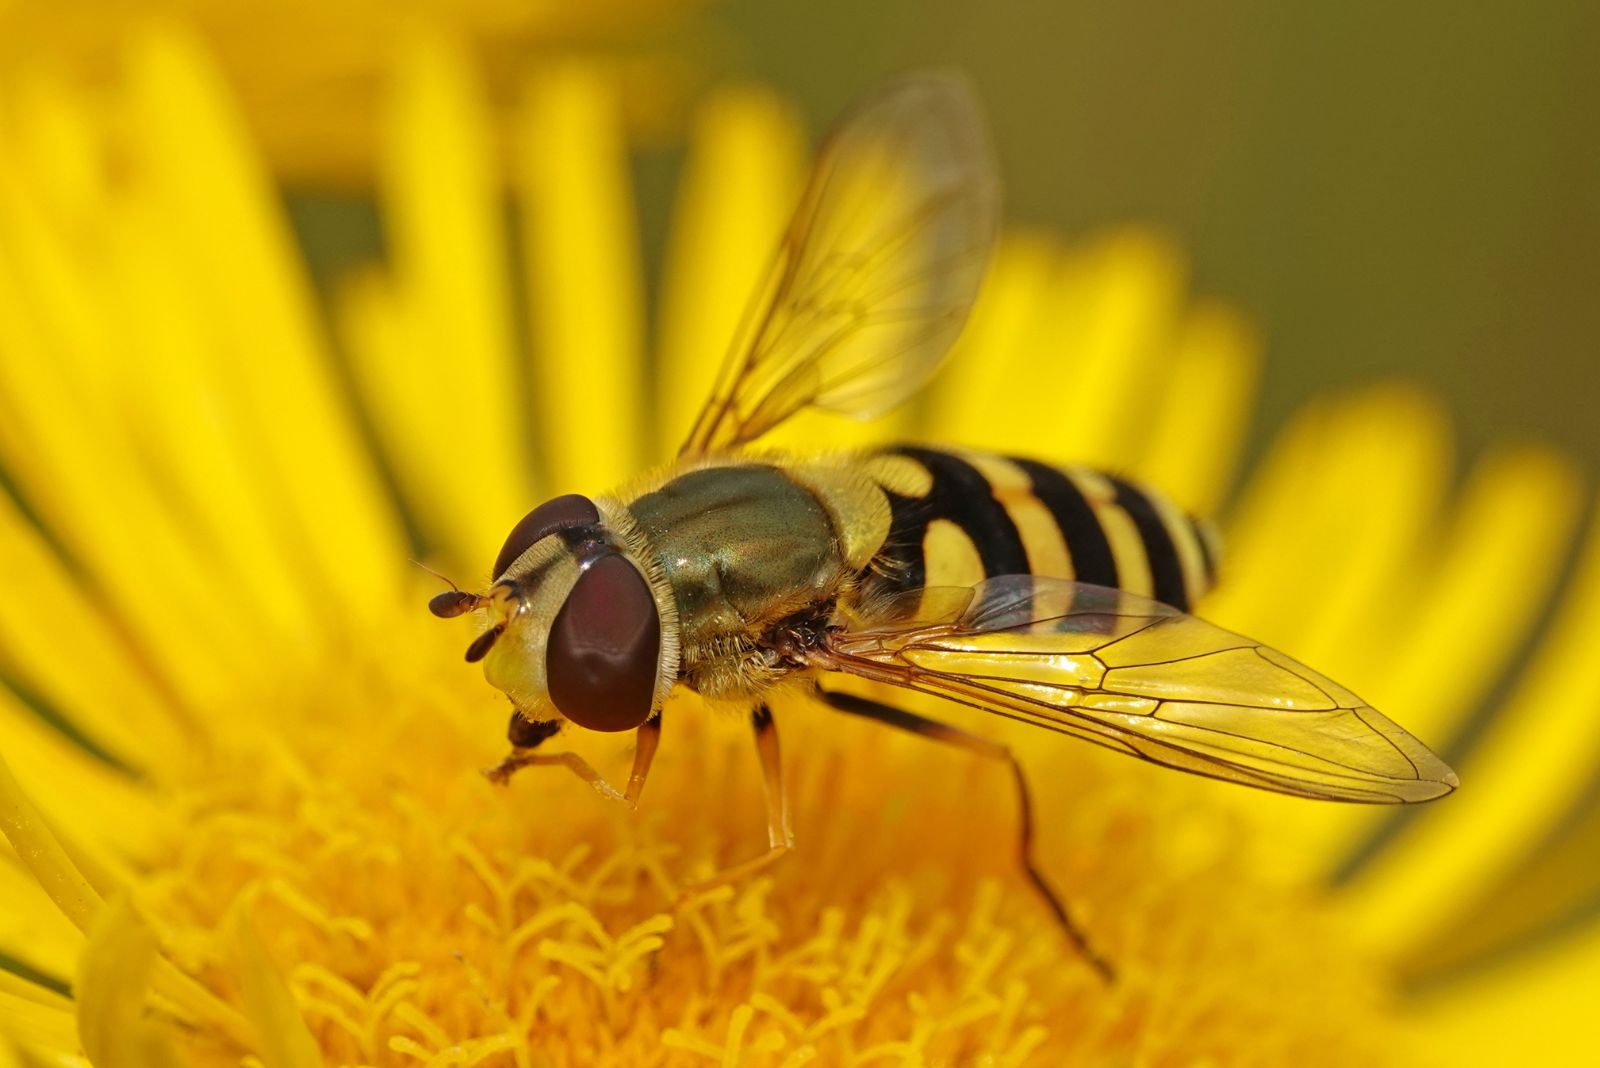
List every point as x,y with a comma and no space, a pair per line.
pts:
1185,535
1042,539
1127,548
952,558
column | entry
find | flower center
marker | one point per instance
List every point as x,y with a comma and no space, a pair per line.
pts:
421,915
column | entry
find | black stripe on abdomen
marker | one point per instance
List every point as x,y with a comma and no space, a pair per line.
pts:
960,494
1166,567
1080,528
1208,559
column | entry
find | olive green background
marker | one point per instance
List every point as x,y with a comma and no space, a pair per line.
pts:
1386,188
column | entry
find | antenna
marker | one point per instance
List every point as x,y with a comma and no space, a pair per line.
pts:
453,602
482,643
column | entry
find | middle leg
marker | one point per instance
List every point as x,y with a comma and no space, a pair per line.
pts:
780,839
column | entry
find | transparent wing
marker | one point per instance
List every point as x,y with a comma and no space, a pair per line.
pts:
1141,677
876,272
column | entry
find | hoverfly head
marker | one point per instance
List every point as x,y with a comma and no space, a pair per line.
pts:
576,620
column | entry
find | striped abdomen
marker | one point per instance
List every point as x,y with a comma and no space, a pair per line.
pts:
959,517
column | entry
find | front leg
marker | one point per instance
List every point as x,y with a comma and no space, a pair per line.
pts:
526,736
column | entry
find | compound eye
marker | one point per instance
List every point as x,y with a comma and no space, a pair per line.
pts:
558,513
605,644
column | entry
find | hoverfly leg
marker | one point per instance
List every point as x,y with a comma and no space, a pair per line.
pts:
779,836
525,736
524,733
644,751
780,839
501,773
943,732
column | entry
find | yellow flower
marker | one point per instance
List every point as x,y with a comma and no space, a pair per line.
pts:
240,762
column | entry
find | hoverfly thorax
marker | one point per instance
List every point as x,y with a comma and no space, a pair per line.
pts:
581,627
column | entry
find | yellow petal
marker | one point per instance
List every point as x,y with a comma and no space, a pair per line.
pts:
1534,1009
1478,588
23,1019
58,642
1534,759
1281,499
1115,333
33,932
58,142
442,487
42,990
179,403
44,854
1545,894
1392,468
284,1040
584,300
113,991
1321,562
1325,529
128,407
63,446
95,804
442,376
738,189
1002,389
1485,579
1207,400
227,220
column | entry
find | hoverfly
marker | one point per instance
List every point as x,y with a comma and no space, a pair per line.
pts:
1051,595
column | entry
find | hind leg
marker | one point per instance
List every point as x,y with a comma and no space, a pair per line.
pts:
943,732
